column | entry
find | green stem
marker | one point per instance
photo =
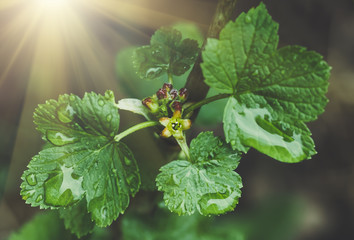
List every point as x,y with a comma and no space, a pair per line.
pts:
170,78
135,128
197,105
183,144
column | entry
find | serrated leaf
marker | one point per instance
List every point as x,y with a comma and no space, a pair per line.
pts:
167,52
77,219
81,158
241,42
286,85
207,184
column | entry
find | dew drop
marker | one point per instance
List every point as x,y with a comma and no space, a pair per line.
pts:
101,102
104,212
65,113
31,179
266,70
255,73
152,71
109,117
248,19
127,161
59,139
39,198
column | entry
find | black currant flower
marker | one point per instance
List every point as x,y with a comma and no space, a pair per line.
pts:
175,125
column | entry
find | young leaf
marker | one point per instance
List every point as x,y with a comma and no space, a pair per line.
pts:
77,219
167,52
275,90
82,159
207,184
133,105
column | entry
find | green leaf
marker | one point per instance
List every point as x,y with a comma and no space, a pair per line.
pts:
81,158
241,42
77,219
207,183
167,52
275,91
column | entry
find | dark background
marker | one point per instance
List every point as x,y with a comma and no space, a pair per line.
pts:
325,183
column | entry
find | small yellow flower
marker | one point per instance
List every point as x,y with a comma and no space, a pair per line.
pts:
175,125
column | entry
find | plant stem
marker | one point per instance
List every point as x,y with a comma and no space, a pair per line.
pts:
135,128
205,101
183,144
170,78
196,87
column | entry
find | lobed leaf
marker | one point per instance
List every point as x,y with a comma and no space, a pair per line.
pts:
207,184
167,52
81,159
274,91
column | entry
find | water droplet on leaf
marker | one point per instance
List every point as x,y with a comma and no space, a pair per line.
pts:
255,73
65,113
39,198
109,117
59,139
266,70
31,179
127,161
248,19
104,212
151,72
101,102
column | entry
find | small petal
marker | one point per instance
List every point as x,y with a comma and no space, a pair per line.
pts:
164,121
166,133
186,124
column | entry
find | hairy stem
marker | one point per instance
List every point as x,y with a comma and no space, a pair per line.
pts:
135,128
196,87
197,105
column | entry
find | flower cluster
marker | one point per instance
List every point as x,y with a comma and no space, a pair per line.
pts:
167,106
166,101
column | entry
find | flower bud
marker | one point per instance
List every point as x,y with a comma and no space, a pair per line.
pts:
161,93
183,94
151,104
167,86
176,106
173,93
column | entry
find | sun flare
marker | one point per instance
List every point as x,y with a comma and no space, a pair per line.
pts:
52,4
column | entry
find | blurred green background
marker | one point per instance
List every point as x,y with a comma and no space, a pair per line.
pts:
85,46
